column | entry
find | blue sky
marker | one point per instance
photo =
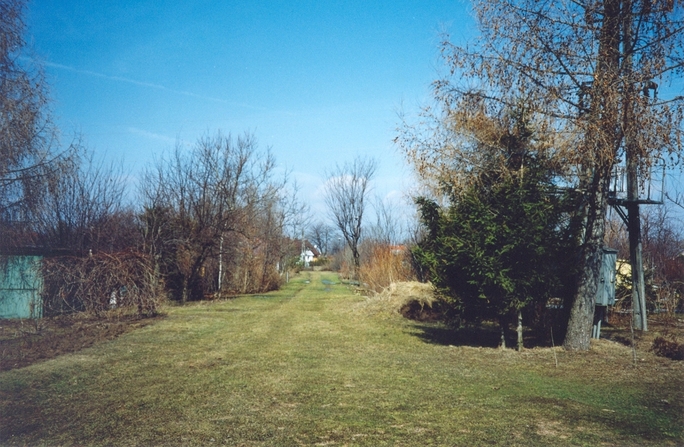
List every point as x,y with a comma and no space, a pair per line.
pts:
318,81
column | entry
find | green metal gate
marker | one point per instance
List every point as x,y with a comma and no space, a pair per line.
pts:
605,293
21,284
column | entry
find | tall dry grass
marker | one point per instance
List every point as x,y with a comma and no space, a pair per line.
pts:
385,264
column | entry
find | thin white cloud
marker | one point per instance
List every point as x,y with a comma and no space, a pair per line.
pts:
144,84
103,76
152,135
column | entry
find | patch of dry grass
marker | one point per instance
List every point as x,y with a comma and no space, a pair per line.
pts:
394,298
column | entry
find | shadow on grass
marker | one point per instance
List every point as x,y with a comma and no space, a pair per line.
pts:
476,336
484,335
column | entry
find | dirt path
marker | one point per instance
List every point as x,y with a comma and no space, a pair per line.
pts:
24,342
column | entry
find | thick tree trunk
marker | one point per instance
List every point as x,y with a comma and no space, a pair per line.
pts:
578,335
602,144
357,263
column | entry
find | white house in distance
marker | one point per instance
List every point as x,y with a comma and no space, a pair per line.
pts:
309,253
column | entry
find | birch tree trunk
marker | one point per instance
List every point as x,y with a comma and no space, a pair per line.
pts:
520,331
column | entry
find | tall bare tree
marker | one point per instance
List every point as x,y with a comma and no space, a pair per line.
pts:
586,70
27,134
345,196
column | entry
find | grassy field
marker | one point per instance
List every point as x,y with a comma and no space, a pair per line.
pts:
312,365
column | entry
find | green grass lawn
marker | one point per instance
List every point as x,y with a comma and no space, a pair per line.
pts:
310,365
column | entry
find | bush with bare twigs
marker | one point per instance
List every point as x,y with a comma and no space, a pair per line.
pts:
99,282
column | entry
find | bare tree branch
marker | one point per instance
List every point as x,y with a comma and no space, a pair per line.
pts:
346,190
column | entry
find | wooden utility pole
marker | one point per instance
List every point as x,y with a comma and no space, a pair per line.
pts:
633,220
636,261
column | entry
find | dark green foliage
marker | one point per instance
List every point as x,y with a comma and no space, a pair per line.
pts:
501,246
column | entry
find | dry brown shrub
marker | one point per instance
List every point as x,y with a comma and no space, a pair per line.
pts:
384,265
99,282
